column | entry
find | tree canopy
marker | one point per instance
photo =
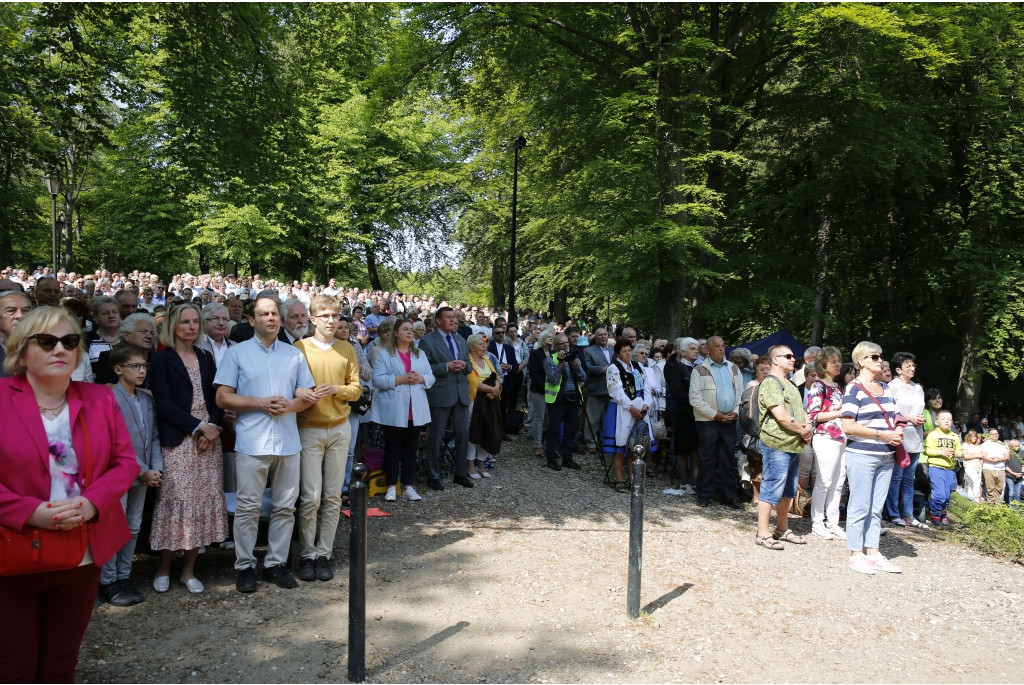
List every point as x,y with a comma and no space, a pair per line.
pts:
844,170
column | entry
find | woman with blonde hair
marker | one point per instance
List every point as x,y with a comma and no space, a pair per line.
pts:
869,422
402,376
65,462
190,510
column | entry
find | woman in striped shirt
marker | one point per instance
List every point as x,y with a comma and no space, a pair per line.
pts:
868,413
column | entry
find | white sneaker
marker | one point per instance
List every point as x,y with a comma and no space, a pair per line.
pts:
689,490
162,583
389,496
475,476
882,564
485,474
823,532
409,494
860,564
837,532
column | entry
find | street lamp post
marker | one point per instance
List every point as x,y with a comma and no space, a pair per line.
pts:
53,187
513,318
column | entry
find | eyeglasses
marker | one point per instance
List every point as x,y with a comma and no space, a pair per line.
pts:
135,367
834,361
328,317
499,332
873,357
218,319
787,356
48,342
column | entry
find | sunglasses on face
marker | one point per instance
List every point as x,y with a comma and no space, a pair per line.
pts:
873,357
48,342
787,356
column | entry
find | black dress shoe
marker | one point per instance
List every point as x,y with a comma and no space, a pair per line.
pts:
464,481
130,589
245,580
554,465
735,505
435,484
280,576
307,570
323,569
115,594
568,463
703,503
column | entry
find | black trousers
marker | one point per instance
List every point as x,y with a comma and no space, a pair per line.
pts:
716,448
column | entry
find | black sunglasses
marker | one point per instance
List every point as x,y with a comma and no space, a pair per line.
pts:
874,357
48,342
787,356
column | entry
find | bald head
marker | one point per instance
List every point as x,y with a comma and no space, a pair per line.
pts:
47,292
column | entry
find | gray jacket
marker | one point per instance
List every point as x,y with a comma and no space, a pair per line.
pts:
449,388
593,362
145,439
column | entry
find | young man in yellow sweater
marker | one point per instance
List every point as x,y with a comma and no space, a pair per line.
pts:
324,432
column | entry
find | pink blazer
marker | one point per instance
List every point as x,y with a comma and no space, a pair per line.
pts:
25,466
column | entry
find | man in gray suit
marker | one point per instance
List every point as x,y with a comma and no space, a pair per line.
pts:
449,397
596,359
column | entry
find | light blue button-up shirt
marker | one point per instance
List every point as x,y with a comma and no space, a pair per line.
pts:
256,371
724,390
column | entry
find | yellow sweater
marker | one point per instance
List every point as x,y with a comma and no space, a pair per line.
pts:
336,366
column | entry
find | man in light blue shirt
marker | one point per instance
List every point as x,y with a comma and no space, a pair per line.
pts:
715,389
266,382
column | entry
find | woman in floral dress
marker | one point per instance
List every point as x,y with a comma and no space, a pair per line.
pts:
190,509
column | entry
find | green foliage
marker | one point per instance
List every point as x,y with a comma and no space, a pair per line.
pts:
992,529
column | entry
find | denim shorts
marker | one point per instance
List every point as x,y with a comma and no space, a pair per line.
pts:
779,475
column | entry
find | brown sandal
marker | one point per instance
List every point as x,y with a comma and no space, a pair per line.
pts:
621,486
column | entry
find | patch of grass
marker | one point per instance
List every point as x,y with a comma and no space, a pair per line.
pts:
996,530
646,618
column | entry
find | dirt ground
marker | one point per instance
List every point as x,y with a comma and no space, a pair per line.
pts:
523,579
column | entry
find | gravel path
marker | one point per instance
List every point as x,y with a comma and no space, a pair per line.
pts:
522,579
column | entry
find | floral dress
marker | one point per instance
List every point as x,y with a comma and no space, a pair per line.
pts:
190,510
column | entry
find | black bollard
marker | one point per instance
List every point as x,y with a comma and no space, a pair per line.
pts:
636,533
357,492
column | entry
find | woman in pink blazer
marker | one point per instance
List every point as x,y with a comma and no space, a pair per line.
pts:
48,420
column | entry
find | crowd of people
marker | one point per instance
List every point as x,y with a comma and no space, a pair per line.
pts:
263,390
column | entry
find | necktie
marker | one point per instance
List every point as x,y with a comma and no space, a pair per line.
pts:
451,346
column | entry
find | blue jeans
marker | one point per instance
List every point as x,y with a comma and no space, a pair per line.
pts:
1013,489
900,501
779,475
868,476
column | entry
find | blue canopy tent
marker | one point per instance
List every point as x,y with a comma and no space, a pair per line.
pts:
782,337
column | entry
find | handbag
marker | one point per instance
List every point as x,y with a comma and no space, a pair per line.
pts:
363,404
658,424
900,453
39,550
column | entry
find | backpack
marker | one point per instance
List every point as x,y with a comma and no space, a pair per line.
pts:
750,421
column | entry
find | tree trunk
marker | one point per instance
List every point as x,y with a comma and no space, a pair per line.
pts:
371,268
821,281
498,273
968,391
559,307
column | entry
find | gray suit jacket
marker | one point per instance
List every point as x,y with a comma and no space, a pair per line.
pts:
449,388
593,362
145,439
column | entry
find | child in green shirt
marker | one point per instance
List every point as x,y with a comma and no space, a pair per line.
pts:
942,448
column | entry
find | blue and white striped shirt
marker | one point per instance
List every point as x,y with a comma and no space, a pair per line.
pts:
858,405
